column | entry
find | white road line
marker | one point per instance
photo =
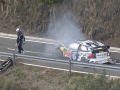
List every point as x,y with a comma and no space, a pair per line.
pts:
40,40
66,69
11,49
7,37
32,40
59,69
29,51
117,63
114,51
30,37
2,60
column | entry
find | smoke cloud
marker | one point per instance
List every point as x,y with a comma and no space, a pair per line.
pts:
64,29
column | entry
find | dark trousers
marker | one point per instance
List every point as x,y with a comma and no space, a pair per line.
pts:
20,47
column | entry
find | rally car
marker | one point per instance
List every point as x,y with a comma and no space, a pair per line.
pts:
86,51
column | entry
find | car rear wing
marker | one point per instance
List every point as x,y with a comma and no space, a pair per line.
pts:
103,47
100,49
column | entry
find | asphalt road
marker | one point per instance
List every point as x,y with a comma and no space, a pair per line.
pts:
39,48
46,49
30,47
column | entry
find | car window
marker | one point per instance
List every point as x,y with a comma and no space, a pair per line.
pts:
84,48
73,46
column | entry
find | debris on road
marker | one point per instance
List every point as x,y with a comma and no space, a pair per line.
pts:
6,64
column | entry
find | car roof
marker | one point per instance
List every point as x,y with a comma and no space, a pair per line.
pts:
91,43
87,43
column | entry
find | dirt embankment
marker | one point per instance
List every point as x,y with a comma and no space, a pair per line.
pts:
97,19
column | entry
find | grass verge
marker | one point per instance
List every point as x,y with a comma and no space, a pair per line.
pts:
21,77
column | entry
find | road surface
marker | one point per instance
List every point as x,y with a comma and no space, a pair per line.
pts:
45,48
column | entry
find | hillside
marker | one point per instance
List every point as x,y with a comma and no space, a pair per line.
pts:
71,19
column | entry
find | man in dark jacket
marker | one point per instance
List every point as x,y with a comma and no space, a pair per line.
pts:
20,40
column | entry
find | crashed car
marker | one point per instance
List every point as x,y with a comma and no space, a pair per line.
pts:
86,51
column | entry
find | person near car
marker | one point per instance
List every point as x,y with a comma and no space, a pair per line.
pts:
20,41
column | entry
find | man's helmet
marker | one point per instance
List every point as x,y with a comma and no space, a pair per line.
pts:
18,29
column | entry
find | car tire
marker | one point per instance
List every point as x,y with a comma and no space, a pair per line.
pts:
74,57
83,59
59,53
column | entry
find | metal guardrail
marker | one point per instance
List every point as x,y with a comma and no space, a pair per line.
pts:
99,66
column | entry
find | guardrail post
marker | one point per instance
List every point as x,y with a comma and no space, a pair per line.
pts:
69,66
13,59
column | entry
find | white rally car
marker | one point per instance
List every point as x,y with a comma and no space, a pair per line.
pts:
86,51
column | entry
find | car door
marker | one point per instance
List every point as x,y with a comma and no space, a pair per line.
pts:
67,52
82,52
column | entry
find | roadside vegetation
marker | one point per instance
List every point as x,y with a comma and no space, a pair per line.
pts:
98,19
21,77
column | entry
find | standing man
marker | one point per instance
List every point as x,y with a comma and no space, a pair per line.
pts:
20,41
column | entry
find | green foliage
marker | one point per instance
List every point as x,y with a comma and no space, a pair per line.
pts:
19,74
48,79
9,85
17,78
39,75
35,87
63,79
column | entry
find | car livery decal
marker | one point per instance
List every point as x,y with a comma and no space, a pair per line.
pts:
67,54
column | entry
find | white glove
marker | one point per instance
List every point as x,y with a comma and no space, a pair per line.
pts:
23,43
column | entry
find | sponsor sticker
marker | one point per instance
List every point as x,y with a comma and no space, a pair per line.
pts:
100,51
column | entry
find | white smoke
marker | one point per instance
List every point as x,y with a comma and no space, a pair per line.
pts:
65,29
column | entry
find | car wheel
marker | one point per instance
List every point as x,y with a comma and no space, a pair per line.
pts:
59,53
74,57
83,59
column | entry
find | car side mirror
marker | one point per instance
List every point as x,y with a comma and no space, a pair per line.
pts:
108,46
